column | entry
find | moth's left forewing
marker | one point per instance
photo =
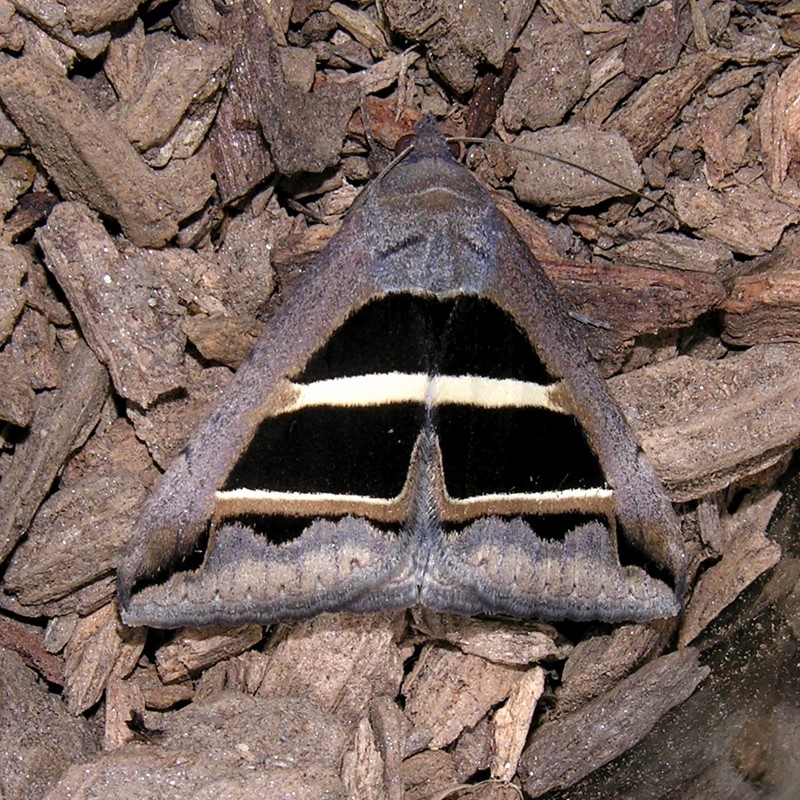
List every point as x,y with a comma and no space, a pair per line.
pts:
247,577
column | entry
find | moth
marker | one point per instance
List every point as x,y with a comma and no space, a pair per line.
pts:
420,424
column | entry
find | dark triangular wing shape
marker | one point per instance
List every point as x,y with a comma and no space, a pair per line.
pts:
295,522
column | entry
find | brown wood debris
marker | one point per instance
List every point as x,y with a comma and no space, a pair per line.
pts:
167,170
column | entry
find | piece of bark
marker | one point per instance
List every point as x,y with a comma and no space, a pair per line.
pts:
197,18
191,651
480,114
100,647
169,118
62,420
648,117
50,16
240,155
17,174
33,343
473,750
244,673
221,340
124,699
564,751
77,537
363,767
749,219
58,632
655,42
674,251
429,774
89,16
113,291
309,137
167,426
13,269
16,396
41,296
552,76
683,411
80,532
361,27
763,308
86,156
28,642
157,695
599,663
342,661
543,181
777,118
231,745
495,641
747,554
512,722
616,303
391,728
38,738
86,600
11,38
460,38
448,691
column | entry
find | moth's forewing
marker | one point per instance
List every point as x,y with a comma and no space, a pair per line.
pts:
420,423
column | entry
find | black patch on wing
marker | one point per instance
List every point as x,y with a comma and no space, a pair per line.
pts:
487,451
363,451
366,450
403,333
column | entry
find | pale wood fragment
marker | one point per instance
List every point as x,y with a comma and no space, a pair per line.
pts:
99,648
448,691
193,650
512,721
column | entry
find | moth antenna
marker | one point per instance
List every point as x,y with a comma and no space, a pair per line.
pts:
566,163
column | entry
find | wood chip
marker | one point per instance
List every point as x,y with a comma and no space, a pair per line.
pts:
16,394
512,722
599,663
448,691
84,154
429,774
552,76
703,423
13,268
646,119
343,661
748,219
763,308
244,747
39,739
99,648
543,181
567,749
748,554
116,292
363,767
62,420
190,651
123,700
495,641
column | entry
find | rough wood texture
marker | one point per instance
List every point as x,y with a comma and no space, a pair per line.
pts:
165,171
608,725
